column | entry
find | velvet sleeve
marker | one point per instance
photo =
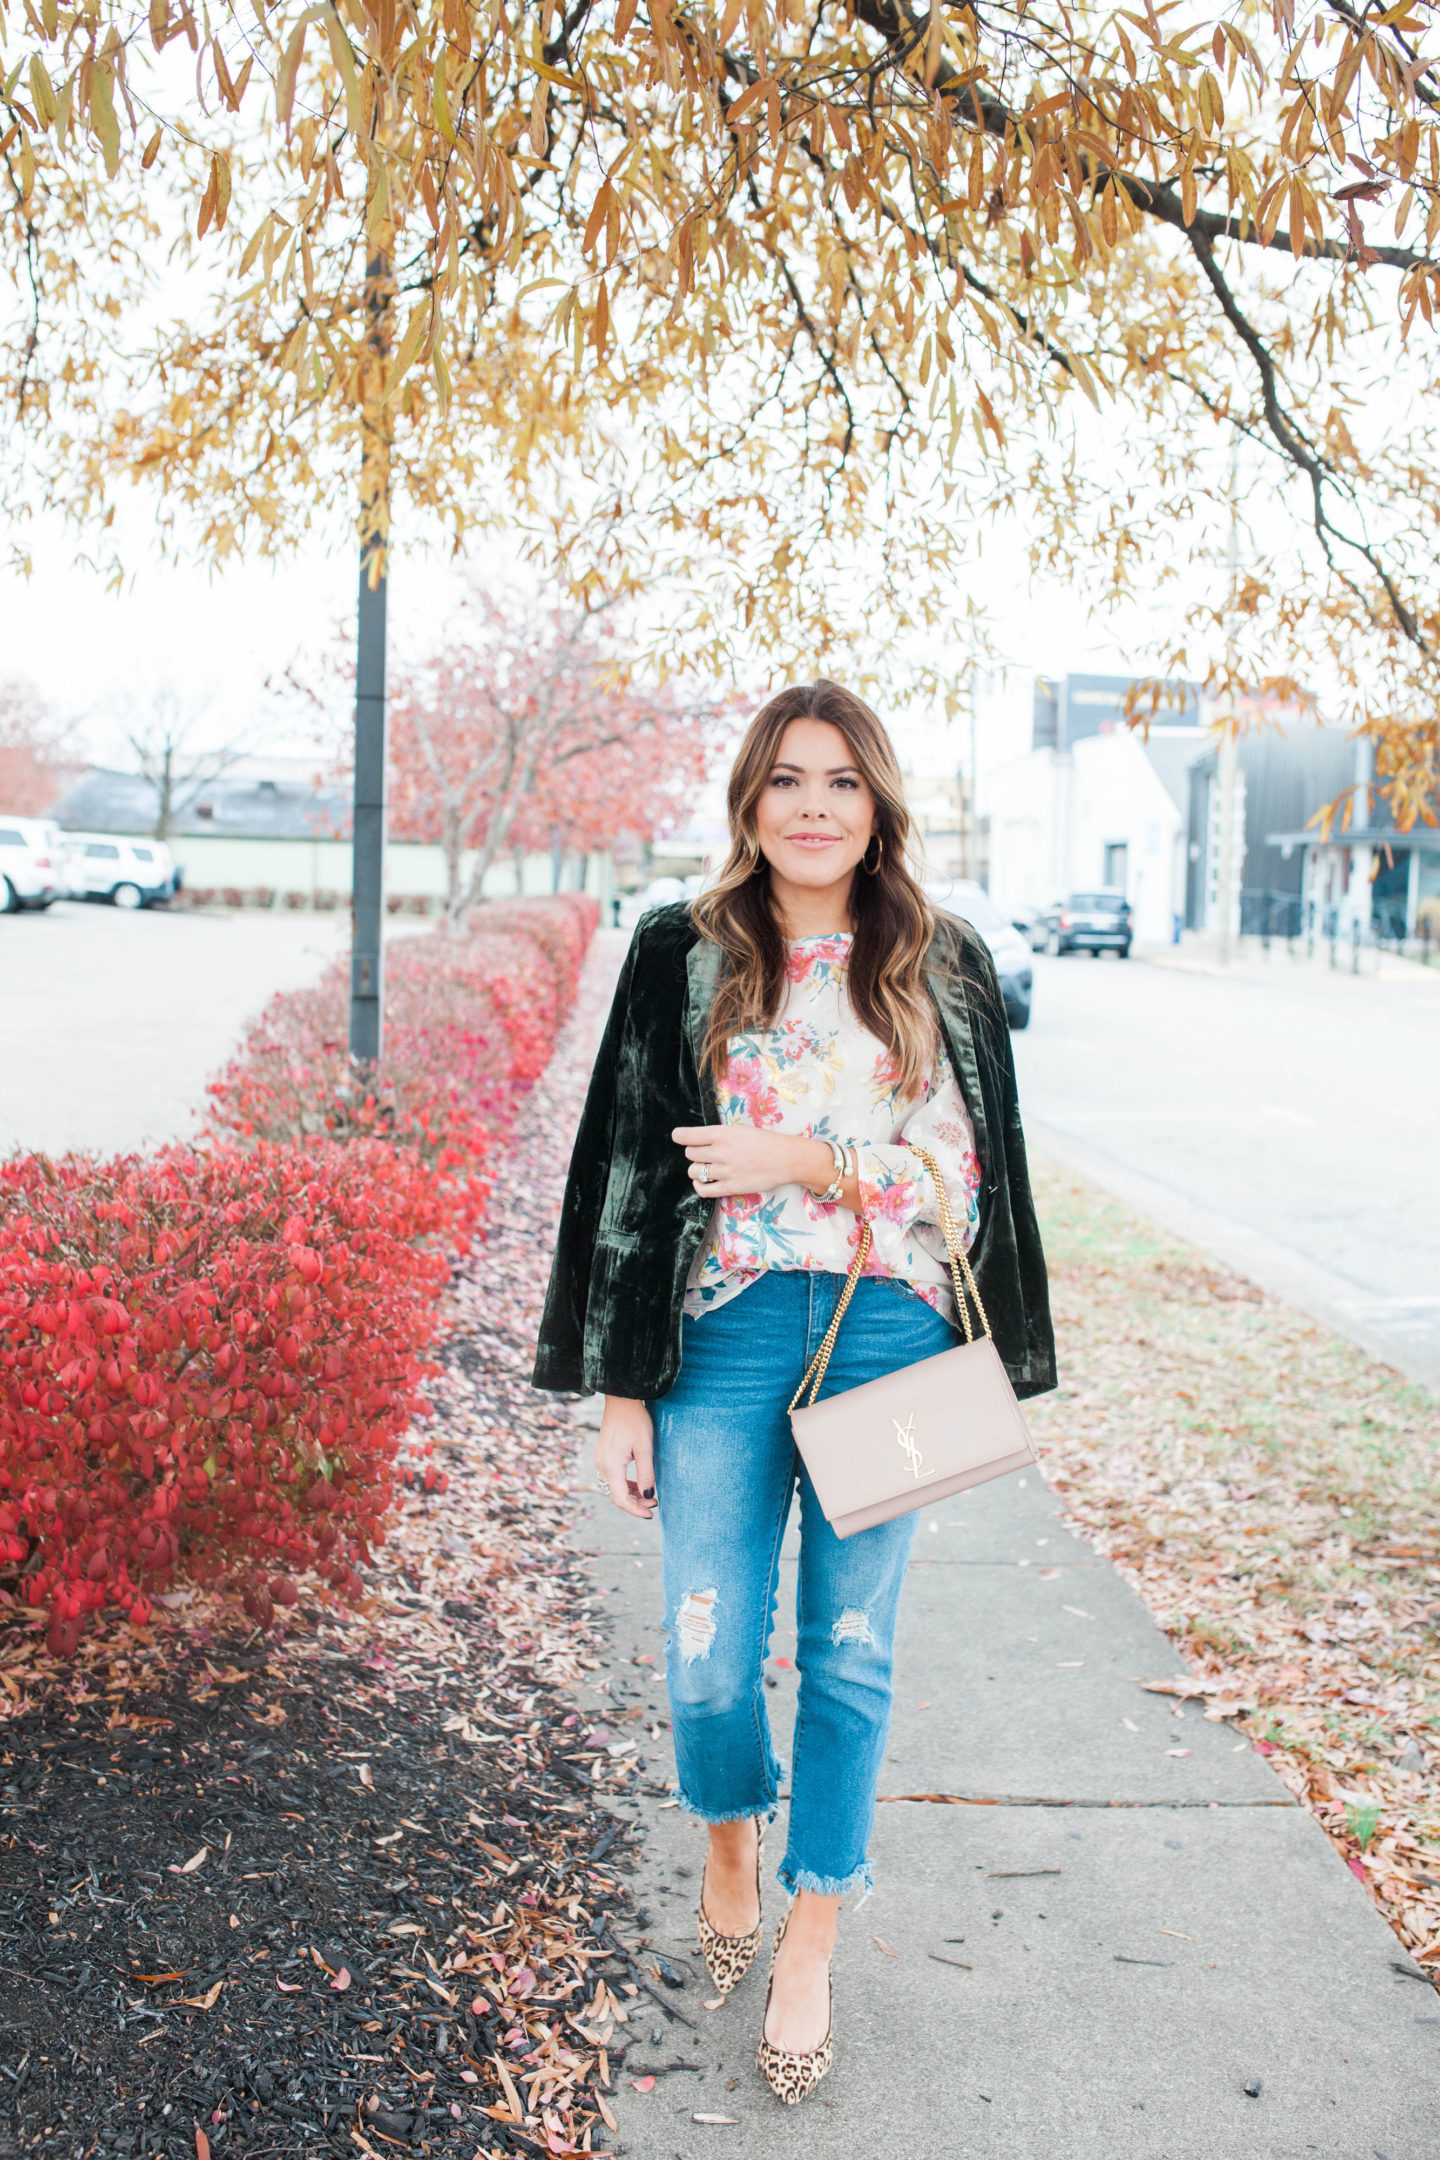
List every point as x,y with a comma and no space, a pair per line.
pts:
559,1358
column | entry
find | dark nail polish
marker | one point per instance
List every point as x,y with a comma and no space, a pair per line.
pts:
648,1493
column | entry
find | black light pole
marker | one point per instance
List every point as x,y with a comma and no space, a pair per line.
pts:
367,964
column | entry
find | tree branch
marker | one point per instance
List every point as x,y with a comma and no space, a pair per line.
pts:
1303,456
902,27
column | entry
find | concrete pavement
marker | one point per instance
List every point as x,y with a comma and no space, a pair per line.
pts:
1281,1117
1101,1925
114,1022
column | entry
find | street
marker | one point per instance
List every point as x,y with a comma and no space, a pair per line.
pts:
114,1022
1283,1120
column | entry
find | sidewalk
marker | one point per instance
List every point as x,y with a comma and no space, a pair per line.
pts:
1294,960
1123,1922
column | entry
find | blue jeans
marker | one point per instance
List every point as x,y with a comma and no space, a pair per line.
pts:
725,1470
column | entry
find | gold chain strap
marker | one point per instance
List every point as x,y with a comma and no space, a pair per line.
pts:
822,1356
959,1259
954,1247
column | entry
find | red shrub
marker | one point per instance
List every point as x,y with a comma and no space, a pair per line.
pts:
207,1363
208,1359
469,1023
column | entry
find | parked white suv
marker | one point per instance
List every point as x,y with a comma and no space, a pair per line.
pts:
31,858
1009,951
130,873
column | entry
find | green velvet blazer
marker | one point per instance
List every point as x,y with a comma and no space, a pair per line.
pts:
633,1220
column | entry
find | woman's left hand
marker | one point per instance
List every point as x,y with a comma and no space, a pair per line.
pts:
730,1159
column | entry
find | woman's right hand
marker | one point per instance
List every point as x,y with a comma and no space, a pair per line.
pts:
625,1456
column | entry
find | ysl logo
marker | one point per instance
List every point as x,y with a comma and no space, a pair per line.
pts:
905,1434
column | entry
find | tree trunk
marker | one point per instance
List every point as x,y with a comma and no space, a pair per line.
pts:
165,795
452,847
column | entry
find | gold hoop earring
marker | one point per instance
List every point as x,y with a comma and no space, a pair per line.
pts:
870,868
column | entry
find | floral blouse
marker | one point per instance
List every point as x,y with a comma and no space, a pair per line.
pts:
820,1073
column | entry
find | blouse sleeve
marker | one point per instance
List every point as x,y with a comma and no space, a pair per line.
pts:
897,1190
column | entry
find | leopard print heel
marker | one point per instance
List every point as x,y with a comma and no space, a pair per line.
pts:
792,2076
729,1957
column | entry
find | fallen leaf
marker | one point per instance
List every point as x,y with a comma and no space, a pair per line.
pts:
202,2145
715,2118
290,1987
206,2001
885,1947
605,2115
645,2084
1187,1685
365,1778
341,1980
196,1860
155,1979
1078,1611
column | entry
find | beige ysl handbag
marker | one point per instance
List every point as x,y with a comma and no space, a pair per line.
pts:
918,1434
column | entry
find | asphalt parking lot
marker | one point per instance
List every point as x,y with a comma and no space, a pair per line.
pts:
1280,1116
115,1021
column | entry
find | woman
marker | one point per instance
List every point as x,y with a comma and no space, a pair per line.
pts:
771,1049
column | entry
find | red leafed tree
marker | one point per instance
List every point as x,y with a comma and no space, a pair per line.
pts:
34,749
527,732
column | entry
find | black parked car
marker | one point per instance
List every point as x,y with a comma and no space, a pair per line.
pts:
1092,922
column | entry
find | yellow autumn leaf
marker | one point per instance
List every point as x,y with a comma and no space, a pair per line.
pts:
409,349
42,92
102,117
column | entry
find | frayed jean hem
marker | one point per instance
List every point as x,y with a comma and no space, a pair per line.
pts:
797,1879
765,1813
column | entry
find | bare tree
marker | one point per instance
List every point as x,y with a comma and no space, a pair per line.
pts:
161,736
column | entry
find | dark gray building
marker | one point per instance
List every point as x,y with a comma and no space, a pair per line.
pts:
1290,769
279,805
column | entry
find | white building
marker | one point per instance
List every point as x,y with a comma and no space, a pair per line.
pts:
1094,802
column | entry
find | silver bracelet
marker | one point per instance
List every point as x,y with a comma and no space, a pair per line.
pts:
833,1189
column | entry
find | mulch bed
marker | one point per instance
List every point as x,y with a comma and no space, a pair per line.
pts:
354,1885
1272,1494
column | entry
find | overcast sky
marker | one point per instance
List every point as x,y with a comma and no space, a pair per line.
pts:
218,637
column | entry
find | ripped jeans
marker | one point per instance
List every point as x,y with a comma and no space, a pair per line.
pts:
726,1468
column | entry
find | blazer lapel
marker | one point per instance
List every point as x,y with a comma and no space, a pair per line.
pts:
954,1010
702,969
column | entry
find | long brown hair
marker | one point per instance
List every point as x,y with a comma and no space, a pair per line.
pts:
894,922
